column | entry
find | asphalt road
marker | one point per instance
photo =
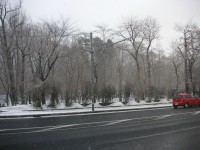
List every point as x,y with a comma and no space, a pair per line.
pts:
150,129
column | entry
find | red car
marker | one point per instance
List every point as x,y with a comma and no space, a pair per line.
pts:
185,100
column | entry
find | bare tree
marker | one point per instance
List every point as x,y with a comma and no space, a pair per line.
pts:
4,78
151,33
177,62
131,31
119,66
7,15
189,48
104,31
49,38
23,40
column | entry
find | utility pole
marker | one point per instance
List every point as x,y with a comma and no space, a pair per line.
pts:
92,67
92,70
187,89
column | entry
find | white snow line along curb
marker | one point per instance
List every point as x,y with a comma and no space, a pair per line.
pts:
78,113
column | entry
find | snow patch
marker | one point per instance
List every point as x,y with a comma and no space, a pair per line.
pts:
20,111
165,101
76,105
115,100
61,106
116,104
45,106
143,102
18,108
132,103
95,105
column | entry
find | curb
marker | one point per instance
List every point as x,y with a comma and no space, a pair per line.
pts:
78,113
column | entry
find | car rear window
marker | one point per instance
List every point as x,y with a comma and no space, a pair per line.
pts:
178,97
188,96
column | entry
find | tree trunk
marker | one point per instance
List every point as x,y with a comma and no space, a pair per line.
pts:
186,78
120,83
140,94
187,89
17,73
22,80
192,85
120,86
13,90
43,95
7,98
9,62
177,76
29,98
149,77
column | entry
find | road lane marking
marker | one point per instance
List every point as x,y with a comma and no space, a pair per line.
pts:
47,128
75,124
104,113
163,117
169,132
116,122
53,126
25,128
145,136
107,123
62,126
196,113
56,127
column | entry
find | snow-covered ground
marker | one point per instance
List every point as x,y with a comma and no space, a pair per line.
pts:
61,109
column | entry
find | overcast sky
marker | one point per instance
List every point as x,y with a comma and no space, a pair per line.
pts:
88,13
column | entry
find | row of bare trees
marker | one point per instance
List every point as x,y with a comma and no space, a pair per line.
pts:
50,60
139,36
186,53
29,52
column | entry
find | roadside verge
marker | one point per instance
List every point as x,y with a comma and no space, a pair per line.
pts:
82,111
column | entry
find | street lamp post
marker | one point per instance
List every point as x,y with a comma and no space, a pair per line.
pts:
92,70
92,66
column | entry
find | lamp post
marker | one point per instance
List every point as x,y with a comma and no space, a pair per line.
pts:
92,70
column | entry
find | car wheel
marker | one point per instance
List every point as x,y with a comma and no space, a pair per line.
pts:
186,105
175,107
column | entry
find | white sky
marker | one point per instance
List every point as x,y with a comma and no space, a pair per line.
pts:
88,13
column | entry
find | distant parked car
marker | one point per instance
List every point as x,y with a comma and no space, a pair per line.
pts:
185,100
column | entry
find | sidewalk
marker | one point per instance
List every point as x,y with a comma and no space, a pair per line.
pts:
21,111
